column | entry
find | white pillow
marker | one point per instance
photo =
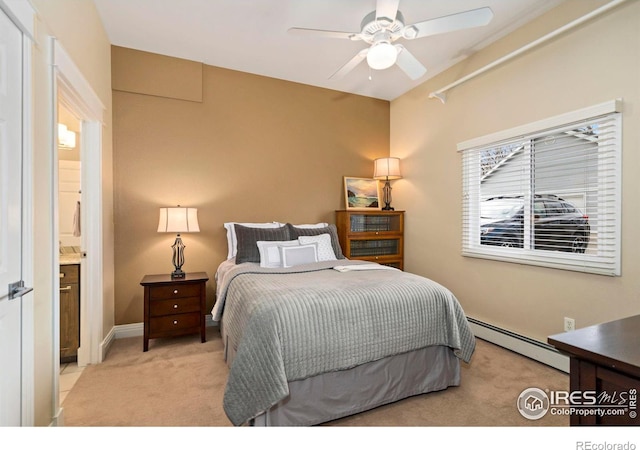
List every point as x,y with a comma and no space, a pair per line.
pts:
325,249
232,241
301,254
270,252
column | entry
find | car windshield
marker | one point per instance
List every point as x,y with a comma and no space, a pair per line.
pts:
500,208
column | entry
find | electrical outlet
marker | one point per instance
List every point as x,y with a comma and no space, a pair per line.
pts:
569,324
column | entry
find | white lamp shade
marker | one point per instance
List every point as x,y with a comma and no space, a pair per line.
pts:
382,56
178,220
386,169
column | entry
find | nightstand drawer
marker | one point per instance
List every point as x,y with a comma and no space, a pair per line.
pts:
174,306
177,323
174,291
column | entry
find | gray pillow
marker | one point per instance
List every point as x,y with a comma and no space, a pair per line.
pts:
248,238
295,232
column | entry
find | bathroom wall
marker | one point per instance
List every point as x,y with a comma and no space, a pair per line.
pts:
68,182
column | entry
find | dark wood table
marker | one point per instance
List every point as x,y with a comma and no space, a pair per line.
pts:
605,363
174,307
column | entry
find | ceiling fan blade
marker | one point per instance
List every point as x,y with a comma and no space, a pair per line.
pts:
387,9
325,33
409,64
468,19
351,64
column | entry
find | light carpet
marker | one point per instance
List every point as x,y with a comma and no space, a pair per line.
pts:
180,383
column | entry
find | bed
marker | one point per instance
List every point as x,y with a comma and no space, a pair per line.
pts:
312,339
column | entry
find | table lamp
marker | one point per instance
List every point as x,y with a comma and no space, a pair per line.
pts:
178,220
387,169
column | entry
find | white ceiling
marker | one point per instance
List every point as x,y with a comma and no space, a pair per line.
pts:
251,36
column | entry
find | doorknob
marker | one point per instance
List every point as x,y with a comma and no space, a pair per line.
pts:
17,289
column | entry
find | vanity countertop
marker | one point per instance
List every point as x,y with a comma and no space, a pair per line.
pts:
70,258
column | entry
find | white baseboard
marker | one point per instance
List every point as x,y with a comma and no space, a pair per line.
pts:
106,344
536,350
128,330
137,329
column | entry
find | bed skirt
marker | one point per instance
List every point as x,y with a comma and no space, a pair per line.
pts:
333,395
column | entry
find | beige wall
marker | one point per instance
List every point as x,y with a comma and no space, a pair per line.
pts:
78,28
254,149
258,149
593,63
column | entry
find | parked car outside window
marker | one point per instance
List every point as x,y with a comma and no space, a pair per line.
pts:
558,224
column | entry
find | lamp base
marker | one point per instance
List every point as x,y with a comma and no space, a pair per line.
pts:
387,197
177,274
178,258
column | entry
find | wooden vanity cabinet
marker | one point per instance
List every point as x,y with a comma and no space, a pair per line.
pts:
69,312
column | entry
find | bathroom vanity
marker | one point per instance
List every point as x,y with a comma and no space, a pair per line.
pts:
69,306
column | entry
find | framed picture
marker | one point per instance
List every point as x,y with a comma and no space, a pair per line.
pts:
362,193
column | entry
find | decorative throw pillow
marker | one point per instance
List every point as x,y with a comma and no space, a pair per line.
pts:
247,247
331,229
232,241
325,249
301,254
270,252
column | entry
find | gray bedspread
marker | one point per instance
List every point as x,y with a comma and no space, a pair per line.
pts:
290,324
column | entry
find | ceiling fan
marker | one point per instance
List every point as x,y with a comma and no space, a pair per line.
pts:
382,27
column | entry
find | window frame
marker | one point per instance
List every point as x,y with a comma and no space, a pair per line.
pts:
605,262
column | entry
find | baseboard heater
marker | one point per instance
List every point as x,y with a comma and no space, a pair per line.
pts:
536,350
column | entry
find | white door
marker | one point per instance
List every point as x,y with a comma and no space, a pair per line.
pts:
10,222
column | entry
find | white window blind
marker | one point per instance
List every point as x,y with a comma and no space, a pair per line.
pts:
547,193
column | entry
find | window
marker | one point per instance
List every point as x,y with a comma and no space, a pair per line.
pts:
547,193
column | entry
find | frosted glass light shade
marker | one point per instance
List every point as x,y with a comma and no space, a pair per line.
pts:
382,56
66,137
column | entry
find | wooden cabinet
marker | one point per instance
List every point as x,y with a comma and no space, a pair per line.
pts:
605,362
376,236
174,307
69,312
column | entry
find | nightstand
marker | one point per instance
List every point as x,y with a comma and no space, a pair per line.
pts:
174,307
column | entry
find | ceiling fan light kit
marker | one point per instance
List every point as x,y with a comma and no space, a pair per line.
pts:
382,27
382,55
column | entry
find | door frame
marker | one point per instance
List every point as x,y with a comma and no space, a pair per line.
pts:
74,91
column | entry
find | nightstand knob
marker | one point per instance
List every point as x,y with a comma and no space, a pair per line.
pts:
175,322
175,306
175,291
377,232
376,257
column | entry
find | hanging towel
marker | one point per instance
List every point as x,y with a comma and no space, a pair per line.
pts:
76,220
